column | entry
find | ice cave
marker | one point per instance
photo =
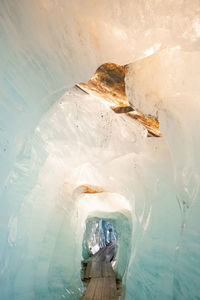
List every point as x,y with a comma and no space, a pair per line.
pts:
99,146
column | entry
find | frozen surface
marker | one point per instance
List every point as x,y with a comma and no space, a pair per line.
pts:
99,233
52,145
166,84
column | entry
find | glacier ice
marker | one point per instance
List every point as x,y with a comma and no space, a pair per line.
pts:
166,83
57,143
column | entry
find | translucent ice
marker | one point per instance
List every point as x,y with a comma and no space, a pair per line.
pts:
66,156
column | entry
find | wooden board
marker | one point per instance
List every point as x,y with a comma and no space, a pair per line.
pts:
101,289
102,285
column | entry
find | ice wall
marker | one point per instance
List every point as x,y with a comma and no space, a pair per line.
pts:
48,46
50,146
166,84
46,231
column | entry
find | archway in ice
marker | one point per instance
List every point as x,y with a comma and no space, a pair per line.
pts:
120,234
113,209
98,234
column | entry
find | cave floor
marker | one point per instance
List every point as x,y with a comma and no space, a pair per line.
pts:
102,280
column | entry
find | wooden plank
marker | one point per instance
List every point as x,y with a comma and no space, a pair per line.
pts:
106,292
102,285
99,289
95,269
103,269
109,253
110,270
106,271
90,291
112,287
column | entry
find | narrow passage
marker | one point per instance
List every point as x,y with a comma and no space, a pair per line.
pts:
102,279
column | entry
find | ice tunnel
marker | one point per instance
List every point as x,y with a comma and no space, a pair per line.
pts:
99,121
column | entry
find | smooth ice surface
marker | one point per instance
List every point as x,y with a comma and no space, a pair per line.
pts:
52,145
167,84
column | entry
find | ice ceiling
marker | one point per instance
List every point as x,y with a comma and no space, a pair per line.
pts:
67,155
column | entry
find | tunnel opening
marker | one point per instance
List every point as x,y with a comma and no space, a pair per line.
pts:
98,234
109,232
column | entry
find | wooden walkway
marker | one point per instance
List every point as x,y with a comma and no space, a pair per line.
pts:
99,272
